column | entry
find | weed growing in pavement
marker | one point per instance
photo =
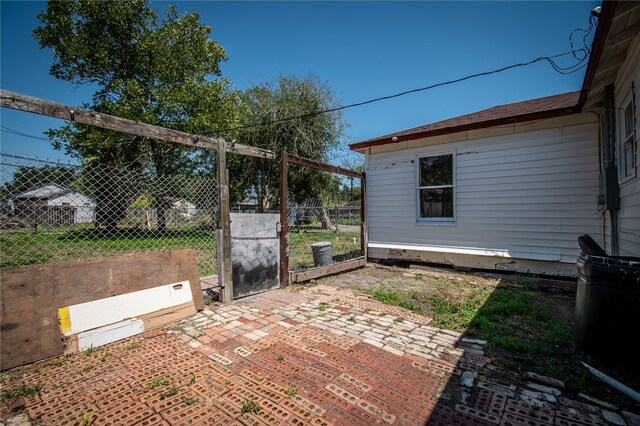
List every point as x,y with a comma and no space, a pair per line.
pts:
192,379
132,346
90,351
291,391
88,417
250,407
158,382
58,361
227,382
419,277
398,320
280,358
105,356
5,377
173,390
352,320
322,306
189,400
88,368
20,392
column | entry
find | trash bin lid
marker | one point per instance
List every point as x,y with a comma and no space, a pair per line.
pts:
321,244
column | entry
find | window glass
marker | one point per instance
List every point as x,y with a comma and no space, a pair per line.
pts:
435,190
436,202
437,170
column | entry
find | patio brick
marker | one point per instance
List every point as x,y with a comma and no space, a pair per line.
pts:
300,366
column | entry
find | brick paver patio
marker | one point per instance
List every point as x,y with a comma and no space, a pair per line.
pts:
321,356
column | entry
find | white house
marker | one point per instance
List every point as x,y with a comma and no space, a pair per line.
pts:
514,186
80,207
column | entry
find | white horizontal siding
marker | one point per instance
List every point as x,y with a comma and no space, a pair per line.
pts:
629,214
527,195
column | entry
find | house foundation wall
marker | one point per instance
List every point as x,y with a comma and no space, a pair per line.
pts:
525,266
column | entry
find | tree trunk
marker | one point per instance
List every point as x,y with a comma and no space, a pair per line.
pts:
325,220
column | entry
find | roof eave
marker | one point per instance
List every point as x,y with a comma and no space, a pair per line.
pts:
539,115
599,40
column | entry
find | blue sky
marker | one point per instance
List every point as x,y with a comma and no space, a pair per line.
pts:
362,50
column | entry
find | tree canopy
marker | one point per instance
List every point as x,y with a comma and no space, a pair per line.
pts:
163,71
313,136
158,70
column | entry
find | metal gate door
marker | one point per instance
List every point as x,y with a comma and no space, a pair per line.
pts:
255,253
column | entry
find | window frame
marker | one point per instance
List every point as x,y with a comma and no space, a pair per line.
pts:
623,138
442,221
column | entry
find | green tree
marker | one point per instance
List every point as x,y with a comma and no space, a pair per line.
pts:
159,71
29,177
312,136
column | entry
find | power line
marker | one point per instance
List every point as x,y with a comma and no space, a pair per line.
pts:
549,59
25,135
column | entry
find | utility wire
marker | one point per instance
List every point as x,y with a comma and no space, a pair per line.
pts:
26,135
549,59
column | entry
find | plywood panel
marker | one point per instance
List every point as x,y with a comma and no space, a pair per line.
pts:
31,296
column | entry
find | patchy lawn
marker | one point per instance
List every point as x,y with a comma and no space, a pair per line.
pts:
345,245
527,322
61,244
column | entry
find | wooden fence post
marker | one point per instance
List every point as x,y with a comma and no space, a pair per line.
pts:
284,219
224,227
363,215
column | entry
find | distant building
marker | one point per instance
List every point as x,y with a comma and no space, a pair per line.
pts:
53,204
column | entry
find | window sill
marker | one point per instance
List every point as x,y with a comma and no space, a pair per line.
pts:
624,181
435,222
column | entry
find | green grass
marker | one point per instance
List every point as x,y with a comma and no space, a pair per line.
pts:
60,244
300,254
393,298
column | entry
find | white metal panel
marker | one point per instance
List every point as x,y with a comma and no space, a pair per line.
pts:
98,313
525,195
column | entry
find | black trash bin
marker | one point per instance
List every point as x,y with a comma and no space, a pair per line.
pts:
607,316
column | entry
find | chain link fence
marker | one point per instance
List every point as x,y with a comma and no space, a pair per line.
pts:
313,221
55,212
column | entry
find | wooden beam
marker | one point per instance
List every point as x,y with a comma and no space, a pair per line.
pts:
321,271
34,105
363,215
322,166
225,277
284,219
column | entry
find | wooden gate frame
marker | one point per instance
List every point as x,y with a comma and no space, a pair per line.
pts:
287,277
20,102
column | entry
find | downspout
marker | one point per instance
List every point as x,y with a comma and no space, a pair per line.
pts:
612,190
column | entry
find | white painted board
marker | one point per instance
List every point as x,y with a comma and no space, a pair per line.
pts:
110,310
110,333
